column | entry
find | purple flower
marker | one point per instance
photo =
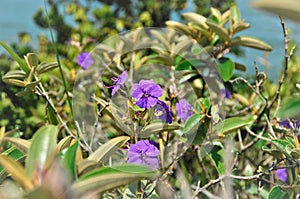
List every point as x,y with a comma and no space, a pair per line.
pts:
163,111
184,109
85,60
118,81
147,93
288,123
225,93
144,152
282,174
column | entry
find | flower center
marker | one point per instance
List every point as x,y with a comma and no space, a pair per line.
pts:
142,156
146,95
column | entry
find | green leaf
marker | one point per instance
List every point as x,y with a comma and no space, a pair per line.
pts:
21,63
21,144
219,30
287,9
290,109
156,127
42,145
86,165
45,67
231,124
192,121
274,152
103,153
284,146
68,156
277,193
31,59
180,28
235,15
182,46
196,18
250,42
17,171
226,68
17,74
189,64
15,154
240,26
107,178
216,154
52,116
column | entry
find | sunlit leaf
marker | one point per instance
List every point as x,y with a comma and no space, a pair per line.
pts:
192,122
21,144
16,74
103,153
180,28
219,30
283,145
42,145
235,15
250,42
156,127
31,59
196,18
45,67
231,124
107,178
17,172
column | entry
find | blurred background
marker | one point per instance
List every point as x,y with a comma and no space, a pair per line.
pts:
16,17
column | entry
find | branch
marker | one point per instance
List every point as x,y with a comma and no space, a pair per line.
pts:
287,57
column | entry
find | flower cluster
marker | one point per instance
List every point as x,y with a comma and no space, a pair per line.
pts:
146,95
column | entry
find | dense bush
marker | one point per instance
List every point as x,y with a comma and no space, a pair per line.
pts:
149,113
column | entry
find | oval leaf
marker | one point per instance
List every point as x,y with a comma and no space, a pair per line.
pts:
42,145
196,18
157,127
226,68
192,122
106,150
231,124
250,42
219,30
277,193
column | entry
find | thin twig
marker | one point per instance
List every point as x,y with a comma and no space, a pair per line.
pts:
287,57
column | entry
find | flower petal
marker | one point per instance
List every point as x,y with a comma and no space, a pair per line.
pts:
137,92
151,101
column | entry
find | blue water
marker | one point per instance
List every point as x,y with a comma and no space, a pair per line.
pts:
16,16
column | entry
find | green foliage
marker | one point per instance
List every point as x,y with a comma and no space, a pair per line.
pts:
72,159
